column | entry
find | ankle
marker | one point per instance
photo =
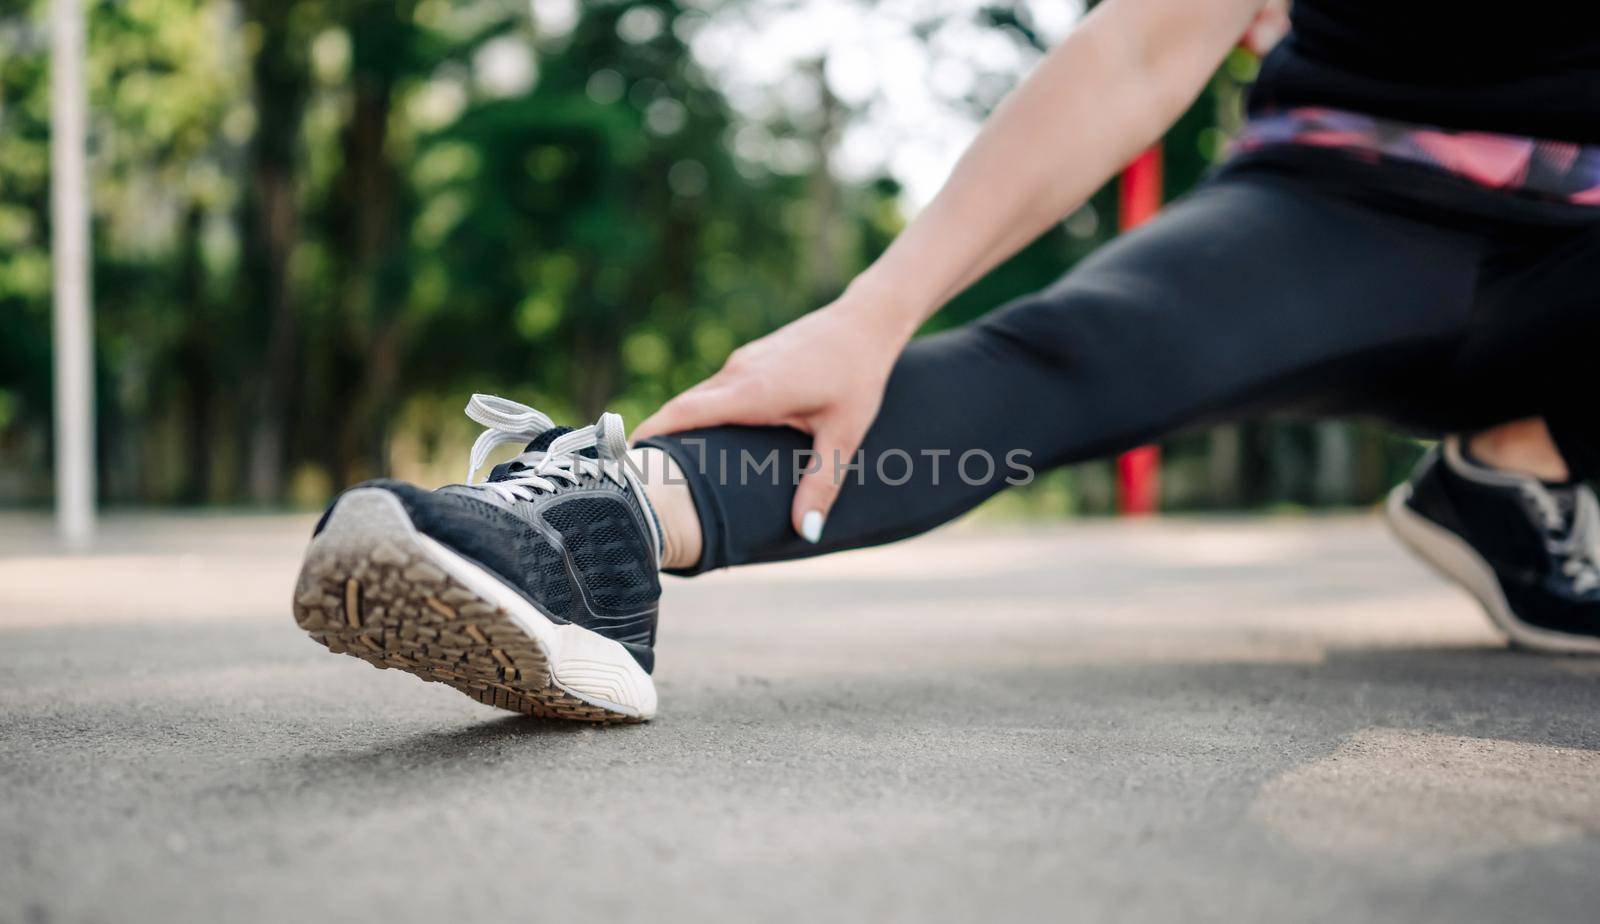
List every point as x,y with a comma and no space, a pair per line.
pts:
1523,447
668,493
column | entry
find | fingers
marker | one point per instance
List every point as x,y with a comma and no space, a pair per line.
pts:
835,448
705,405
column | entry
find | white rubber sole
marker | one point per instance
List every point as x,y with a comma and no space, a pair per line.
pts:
1452,557
375,588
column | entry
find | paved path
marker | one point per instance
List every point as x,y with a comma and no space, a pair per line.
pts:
1195,720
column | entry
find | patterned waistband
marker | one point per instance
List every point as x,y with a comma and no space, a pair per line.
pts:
1558,170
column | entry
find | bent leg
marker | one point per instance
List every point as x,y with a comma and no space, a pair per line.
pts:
1532,345
1258,292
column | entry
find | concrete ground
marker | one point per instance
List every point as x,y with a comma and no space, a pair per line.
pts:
1192,720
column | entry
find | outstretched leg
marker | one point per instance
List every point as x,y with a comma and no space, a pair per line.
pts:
1261,291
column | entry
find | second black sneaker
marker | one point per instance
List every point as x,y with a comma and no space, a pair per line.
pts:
535,591
1527,550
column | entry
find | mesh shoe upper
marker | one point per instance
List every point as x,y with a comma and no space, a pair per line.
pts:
564,523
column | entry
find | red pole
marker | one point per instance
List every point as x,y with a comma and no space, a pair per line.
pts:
1139,198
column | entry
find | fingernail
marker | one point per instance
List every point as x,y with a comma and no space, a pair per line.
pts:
811,526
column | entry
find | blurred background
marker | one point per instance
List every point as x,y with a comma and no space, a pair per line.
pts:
318,225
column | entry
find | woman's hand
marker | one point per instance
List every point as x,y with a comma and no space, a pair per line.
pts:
823,374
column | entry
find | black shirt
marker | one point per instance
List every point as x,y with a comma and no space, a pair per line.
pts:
1526,68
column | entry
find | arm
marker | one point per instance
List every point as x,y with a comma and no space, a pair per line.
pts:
1099,98
1105,93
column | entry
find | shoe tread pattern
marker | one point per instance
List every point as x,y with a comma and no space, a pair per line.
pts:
383,602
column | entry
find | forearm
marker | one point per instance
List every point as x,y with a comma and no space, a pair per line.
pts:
1106,92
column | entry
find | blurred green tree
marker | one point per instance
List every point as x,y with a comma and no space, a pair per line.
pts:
319,224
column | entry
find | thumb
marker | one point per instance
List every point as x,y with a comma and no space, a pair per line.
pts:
823,477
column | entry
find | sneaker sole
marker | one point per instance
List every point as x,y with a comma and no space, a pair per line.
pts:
375,588
1456,560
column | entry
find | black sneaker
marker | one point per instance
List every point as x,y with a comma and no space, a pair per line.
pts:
535,591
1527,550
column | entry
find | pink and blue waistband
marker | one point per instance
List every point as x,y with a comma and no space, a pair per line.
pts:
1557,170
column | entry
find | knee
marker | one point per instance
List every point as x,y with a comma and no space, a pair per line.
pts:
1079,321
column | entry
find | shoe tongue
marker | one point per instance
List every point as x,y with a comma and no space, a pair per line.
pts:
542,441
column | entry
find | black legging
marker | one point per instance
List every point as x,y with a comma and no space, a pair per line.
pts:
1293,281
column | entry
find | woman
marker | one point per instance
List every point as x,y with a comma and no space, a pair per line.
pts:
1410,230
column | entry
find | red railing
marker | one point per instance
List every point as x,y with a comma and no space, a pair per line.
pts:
1139,198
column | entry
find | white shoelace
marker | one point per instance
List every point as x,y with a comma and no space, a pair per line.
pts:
1577,545
509,421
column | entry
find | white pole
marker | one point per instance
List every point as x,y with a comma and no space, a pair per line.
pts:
69,215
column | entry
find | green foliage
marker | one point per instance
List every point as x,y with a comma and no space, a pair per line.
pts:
319,224
316,219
